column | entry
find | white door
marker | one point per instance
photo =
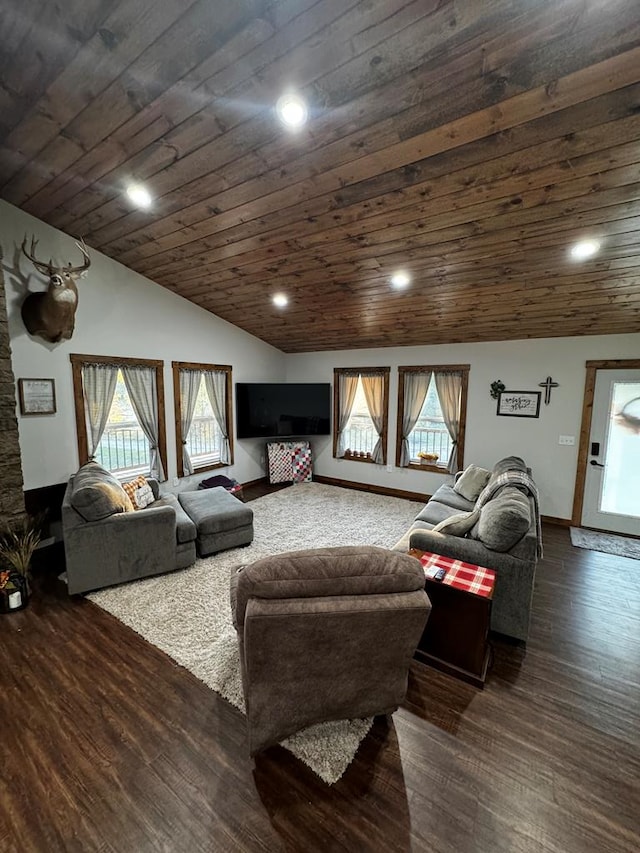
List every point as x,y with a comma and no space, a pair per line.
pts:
612,484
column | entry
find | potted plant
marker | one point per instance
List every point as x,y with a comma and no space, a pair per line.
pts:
18,541
427,458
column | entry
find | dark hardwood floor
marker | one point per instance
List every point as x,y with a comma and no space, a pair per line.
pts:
107,745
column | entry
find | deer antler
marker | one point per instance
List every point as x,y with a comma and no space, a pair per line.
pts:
45,269
87,260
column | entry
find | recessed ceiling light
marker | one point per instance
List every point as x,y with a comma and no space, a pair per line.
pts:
139,195
584,249
292,110
400,279
280,300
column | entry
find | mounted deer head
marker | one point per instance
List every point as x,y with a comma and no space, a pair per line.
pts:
51,313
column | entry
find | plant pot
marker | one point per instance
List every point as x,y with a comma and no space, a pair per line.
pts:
14,595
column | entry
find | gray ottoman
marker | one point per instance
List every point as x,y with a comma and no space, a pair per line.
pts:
221,520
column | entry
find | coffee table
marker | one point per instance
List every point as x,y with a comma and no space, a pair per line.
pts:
456,638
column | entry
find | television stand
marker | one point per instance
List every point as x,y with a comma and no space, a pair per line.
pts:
289,461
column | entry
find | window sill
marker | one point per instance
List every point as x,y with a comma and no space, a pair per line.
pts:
434,469
355,459
211,467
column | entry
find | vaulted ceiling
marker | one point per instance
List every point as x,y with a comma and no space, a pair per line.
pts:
468,143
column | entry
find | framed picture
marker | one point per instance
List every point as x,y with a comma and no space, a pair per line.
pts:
519,404
37,396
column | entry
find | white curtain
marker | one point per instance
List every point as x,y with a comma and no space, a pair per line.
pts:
449,388
216,384
347,387
143,393
98,387
373,387
416,386
189,387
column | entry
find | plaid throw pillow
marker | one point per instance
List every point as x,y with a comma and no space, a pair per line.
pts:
140,492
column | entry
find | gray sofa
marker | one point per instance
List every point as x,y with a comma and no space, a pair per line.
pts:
503,535
106,542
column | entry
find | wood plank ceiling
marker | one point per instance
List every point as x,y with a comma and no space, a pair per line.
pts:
470,143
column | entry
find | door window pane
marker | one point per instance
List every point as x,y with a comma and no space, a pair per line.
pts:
620,492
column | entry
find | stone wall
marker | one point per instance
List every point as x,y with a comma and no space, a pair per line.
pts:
11,483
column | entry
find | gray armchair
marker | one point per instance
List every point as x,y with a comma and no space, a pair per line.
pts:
325,634
106,542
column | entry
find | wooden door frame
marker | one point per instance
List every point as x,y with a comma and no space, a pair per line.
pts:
585,429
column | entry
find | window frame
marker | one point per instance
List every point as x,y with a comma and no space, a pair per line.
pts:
77,362
177,366
380,371
434,368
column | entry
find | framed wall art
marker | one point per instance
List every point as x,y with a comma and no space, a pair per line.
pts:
37,396
519,404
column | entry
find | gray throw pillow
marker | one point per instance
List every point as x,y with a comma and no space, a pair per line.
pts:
459,524
472,482
97,494
504,520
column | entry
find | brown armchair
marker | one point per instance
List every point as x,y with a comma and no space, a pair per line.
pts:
325,634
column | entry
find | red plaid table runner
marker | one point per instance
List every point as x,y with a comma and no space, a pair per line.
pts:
466,576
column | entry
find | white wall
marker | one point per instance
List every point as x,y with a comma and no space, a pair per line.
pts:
521,365
119,313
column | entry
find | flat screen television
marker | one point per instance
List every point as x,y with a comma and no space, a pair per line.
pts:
270,409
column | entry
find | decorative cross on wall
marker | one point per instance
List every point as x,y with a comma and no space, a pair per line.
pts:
548,384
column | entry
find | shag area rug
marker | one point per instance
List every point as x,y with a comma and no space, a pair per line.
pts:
187,614
608,543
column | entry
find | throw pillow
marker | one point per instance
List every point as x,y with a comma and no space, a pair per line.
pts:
140,492
504,520
459,524
96,494
472,482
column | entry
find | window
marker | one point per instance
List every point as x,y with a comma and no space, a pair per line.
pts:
119,406
202,398
360,434
361,403
432,404
123,447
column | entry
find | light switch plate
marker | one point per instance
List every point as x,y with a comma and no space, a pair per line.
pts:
567,440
